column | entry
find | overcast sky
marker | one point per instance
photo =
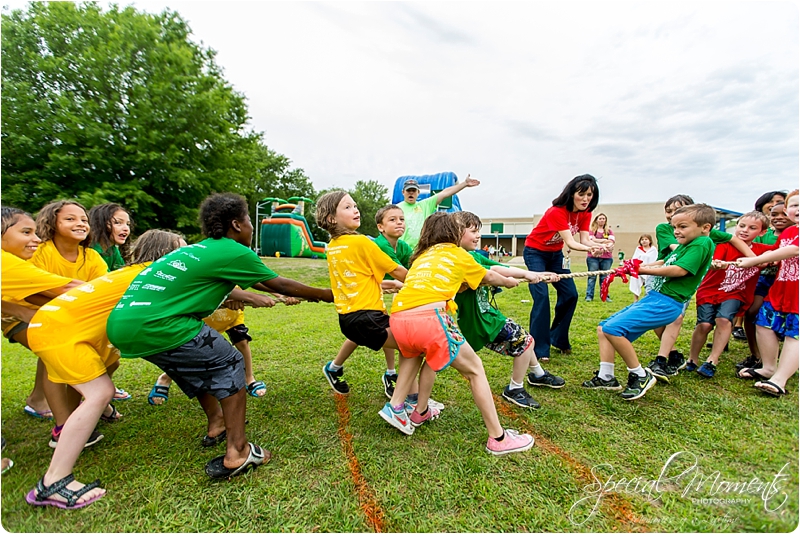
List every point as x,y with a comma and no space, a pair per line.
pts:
652,98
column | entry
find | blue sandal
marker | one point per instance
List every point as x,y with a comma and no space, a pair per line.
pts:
254,387
158,392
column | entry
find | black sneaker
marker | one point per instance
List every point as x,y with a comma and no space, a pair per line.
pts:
675,362
335,380
638,385
547,380
738,333
660,368
749,362
520,397
389,381
93,438
599,383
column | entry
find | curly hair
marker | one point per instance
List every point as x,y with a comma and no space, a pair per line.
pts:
153,244
467,219
101,218
325,214
218,211
441,227
47,221
10,216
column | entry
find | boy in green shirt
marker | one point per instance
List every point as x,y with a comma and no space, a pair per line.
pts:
159,318
676,280
484,326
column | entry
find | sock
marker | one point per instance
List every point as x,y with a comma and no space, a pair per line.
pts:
637,371
391,372
57,430
412,398
514,385
537,370
606,371
502,436
333,367
399,408
423,413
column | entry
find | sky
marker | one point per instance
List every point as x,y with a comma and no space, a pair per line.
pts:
652,98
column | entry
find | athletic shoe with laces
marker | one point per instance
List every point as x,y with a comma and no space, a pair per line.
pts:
638,385
601,383
738,333
417,419
335,379
400,420
512,442
675,362
707,370
659,368
389,382
412,405
520,397
749,362
547,380
94,437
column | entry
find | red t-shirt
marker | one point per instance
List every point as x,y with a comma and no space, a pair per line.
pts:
545,236
733,283
783,293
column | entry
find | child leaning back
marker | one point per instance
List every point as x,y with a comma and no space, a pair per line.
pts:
424,328
676,281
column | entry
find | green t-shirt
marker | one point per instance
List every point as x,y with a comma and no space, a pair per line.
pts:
415,215
477,319
164,305
113,257
401,255
770,238
665,237
695,257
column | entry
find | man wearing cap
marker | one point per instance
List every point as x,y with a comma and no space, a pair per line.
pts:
416,212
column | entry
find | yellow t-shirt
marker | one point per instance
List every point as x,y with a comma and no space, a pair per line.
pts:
356,266
89,266
22,279
224,319
437,275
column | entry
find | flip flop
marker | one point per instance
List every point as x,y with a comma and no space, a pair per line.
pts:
9,466
216,468
158,392
772,388
750,373
113,417
208,441
41,497
254,387
121,395
46,414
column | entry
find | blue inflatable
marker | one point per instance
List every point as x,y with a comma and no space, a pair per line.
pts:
437,182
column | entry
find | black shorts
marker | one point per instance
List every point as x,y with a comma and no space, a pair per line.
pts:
206,363
238,333
365,327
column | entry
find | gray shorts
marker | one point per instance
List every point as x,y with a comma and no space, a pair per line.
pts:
205,364
707,313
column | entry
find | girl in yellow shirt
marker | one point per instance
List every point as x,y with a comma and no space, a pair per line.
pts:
424,329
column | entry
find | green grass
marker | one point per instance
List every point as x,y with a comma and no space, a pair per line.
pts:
439,479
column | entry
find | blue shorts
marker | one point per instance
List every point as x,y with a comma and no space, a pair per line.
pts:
764,283
778,322
707,313
654,310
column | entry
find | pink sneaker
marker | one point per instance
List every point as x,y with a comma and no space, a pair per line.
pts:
513,442
430,415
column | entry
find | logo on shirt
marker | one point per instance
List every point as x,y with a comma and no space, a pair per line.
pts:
153,287
134,303
178,264
164,276
49,307
86,288
736,278
146,270
68,298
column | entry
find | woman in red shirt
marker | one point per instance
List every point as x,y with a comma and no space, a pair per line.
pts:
570,214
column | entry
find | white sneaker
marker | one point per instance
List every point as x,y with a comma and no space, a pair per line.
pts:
400,421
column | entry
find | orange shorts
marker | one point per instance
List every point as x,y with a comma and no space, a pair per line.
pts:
430,332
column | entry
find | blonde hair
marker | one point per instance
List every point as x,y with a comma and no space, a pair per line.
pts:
757,215
325,214
596,226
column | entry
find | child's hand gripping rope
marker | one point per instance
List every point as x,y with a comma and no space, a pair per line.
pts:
629,267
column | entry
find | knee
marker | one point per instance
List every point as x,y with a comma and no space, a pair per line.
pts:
705,328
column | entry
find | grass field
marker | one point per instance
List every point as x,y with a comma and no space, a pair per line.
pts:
338,467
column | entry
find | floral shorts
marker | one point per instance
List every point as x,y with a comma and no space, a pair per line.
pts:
779,322
512,340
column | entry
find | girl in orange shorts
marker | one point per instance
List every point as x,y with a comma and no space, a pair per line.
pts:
423,327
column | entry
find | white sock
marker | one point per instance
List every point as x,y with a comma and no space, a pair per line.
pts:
606,371
638,371
514,385
391,372
333,367
536,370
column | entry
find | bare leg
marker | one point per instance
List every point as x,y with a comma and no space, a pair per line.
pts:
243,346
57,399
521,364
426,379
214,415
750,326
37,398
348,347
607,351
163,380
390,357
788,364
76,431
470,366
625,349
234,411
670,336
699,337
721,337
769,345
405,378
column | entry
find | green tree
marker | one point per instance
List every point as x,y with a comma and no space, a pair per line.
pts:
118,105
